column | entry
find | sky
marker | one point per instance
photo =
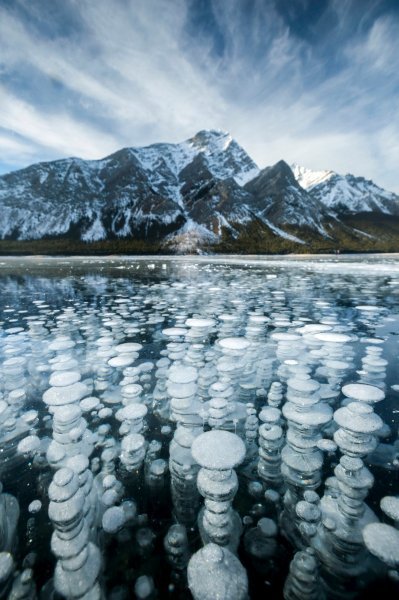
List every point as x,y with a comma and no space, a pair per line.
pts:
309,81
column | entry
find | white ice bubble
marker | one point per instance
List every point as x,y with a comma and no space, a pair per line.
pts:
34,506
218,450
113,519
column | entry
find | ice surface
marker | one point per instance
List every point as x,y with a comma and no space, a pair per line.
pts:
205,342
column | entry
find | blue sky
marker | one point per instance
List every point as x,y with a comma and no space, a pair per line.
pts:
311,81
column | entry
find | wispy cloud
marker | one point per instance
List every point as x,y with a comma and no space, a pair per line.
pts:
58,132
318,87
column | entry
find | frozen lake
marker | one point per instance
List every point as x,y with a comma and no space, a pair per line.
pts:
226,423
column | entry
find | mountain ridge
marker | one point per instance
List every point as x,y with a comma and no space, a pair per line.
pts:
203,194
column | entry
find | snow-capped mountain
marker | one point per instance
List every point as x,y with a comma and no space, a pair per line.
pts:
283,201
135,191
205,191
346,193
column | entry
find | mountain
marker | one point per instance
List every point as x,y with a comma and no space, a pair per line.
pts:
283,201
346,194
135,191
205,193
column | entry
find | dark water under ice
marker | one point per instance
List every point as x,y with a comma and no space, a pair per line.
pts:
155,294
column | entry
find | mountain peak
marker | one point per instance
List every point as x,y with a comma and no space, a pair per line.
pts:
346,193
211,139
282,166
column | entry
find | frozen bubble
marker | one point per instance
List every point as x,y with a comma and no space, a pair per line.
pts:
303,386
16,362
63,477
29,416
130,509
200,323
109,497
64,364
238,344
133,442
16,395
363,392
132,412
63,378
88,404
183,375
217,449
34,506
6,566
282,336
372,341
307,511
255,489
144,587
104,413
109,481
358,417
174,332
268,527
390,506
78,463
270,415
132,390
313,328
58,396
214,572
29,444
333,338
55,454
272,495
146,367
368,308
327,445
113,519
123,360
158,467
128,347
382,541
144,536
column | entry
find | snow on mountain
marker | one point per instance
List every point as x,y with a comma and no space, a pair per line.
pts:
135,191
346,193
195,193
308,178
281,200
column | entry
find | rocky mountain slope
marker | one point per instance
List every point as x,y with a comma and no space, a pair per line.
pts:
346,194
205,193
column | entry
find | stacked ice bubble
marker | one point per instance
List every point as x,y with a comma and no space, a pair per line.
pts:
201,426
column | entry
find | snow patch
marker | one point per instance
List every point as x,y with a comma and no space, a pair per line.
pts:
95,232
308,178
282,233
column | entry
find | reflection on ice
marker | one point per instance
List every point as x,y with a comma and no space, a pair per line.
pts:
204,422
